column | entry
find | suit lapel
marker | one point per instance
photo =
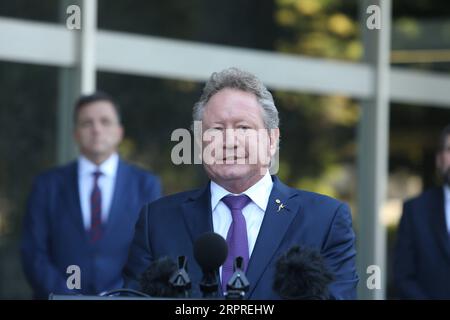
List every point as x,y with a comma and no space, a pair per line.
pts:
197,213
73,198
438,220
273,229
120,193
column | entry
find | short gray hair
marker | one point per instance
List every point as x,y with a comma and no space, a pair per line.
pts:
235,78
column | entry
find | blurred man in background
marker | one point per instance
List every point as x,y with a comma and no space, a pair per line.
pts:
84,213
422,259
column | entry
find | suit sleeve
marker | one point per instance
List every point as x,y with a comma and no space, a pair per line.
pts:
405,274
41,273
140,254
340,255
153,189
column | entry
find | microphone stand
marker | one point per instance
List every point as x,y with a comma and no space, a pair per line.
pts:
209,285
238,284
180,280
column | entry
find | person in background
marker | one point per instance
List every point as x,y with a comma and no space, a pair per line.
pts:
83,214
422,254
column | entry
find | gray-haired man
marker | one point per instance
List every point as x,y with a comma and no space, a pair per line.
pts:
259,216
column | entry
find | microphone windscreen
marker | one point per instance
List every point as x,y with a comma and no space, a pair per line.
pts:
210,251
155,280
301,273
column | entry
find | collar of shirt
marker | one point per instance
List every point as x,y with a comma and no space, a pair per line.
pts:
108,167
259,193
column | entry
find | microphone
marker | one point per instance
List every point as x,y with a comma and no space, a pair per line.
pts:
180,280
238,284
301,274
164,278
210,252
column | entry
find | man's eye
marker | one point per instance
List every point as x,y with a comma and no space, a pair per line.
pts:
86,124
106,122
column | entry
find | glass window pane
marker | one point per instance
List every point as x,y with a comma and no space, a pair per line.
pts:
42,10
319,28
27,147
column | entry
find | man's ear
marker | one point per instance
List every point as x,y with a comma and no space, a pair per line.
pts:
439,160
197,131
274,135
75,135
121,132
198,138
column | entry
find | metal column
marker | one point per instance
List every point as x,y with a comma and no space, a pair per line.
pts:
373,148
79,79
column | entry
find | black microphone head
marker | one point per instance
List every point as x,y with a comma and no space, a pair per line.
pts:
301,273
155,280
210,251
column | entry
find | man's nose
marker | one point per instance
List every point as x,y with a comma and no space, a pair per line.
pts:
96,127
230,139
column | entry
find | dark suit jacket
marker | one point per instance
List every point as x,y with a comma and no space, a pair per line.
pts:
54,236
422,256
169,226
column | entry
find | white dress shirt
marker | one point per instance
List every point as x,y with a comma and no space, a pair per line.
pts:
447,206
254,212
106,183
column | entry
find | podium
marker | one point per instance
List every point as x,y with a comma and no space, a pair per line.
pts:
82,297
117,294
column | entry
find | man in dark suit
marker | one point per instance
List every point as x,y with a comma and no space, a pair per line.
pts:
259,216
422,256
83,214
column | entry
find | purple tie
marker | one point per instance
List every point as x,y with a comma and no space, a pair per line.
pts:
237,236
96,210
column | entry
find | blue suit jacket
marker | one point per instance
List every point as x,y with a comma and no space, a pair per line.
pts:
54,236
422,256
169,226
